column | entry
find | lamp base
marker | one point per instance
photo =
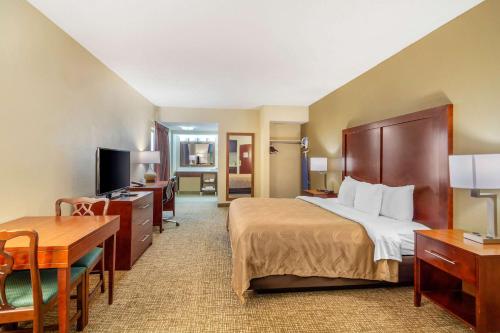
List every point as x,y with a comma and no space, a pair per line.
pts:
149,178
150,175
480,238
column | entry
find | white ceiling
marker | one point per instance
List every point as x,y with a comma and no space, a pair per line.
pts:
245,53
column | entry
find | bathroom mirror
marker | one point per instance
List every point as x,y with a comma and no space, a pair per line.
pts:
200,154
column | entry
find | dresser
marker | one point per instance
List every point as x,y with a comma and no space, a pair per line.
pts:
136,227
459,275
158,189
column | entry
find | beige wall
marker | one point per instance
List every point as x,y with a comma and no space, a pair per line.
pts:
57,104
284,166
275,114
458,63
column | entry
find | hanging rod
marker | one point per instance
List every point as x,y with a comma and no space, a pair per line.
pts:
284,141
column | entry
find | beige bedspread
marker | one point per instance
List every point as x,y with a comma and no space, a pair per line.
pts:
291,236
240,180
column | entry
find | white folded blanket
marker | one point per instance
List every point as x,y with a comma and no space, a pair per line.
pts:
390,236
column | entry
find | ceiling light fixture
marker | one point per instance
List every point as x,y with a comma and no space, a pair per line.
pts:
187,128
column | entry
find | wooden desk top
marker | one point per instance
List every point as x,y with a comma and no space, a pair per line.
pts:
58,232
455,238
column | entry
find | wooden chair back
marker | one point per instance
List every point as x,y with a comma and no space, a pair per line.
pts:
84,206
7,312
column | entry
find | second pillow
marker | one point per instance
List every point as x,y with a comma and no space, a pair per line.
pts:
368,198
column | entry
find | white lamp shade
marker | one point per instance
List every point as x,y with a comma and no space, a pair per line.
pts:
146,157
318,164
475,171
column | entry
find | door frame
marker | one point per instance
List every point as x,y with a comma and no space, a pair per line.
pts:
228,135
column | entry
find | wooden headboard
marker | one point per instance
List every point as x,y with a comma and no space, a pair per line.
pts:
411,149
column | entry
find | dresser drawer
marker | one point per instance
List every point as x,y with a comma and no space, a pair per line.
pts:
145,202
140,244
142,210
450,259
140,229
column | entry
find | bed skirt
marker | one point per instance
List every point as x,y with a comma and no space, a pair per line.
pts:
290,282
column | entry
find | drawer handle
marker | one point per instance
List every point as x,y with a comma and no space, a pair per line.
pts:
432,253
145,237
145,206
146,222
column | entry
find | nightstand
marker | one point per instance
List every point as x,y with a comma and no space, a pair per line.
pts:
319,194
459,275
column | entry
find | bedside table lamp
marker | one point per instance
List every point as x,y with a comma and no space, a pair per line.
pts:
476,173
319,164
148,157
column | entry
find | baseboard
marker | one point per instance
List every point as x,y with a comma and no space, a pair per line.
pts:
223,204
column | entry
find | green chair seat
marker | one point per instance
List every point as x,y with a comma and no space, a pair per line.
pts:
18,286
89,258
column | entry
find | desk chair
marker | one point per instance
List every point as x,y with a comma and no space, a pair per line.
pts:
27,295
169,200
93,262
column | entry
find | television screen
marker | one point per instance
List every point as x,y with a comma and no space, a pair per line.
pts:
112,170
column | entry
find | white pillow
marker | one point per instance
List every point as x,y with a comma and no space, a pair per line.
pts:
368,198
347,191
397,202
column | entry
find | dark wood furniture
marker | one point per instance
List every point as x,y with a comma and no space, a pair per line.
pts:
136,227
84,206
62,240
319,194
459,275
158,189
408,149
30,284
198,174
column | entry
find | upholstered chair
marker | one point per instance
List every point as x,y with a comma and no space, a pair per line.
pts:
93,261
26,295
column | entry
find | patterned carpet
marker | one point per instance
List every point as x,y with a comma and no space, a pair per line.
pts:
182,284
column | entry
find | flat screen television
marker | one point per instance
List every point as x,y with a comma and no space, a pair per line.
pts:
112,170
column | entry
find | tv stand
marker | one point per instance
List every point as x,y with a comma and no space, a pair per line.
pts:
123,194
136,227
127,194
110,196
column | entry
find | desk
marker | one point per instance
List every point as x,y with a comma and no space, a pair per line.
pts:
62,241
158,188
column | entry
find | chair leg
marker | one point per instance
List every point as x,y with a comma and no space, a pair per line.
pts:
85,303
82,304
37,324
171,221
101,275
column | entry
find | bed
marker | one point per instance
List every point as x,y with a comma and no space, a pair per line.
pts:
302,243
240,183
